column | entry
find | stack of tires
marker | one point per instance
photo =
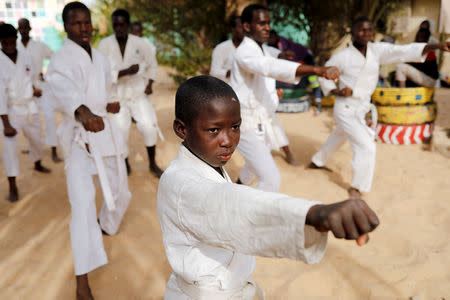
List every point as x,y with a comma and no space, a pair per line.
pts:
294,100
405,115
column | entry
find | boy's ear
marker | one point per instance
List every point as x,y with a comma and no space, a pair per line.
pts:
246,27
179,128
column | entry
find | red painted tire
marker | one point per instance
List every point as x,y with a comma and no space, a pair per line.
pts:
403,134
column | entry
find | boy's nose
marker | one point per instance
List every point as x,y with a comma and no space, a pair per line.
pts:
226,140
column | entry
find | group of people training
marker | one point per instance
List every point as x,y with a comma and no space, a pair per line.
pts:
211,227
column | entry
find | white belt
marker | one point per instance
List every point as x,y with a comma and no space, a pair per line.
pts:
247,291
99,163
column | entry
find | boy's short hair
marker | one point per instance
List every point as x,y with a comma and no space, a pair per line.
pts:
72,6
120,12
247,13
234,20
197,91
358,21
137,24
7,30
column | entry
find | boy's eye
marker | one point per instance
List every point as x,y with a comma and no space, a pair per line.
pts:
236,127
213,130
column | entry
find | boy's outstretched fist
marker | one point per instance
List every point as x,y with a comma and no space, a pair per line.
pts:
350,219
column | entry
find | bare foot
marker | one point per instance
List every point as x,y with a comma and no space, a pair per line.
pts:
354,193
314,166
56,158
291,160
83,289
156,170
13,195
40,168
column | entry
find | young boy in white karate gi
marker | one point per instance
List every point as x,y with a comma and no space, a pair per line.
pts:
134,69
79,79
18,110
212,228
223,53
359,66
252,64
38,52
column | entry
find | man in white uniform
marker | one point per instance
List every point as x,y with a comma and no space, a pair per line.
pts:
222,56
212,228
79,79
134,68
359,66
18,110
38,52
252,65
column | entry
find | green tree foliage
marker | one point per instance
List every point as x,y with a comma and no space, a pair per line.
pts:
186,31
327,21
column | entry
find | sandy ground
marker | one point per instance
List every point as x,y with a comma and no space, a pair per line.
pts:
407,256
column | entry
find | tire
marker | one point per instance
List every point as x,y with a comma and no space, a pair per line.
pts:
294,105
407,115
403,135
402,96
327,101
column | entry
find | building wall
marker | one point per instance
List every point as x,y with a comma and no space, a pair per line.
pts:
44,16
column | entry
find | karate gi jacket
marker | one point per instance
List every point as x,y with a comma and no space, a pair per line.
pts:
16,85
361,73
222,59
74,80
38,52
212,228
137,51
250,73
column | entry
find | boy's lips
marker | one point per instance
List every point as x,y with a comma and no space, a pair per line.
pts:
225,156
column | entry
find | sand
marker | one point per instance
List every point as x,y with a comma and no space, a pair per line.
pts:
407,256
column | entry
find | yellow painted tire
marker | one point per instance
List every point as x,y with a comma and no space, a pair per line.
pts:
327,101
407,115
402,96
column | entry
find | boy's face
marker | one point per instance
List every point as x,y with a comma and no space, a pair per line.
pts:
214,134
120,26
259,28
9,45
79,27
363,33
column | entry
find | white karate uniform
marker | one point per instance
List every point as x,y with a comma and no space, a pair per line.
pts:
16,101
251,67
74,80
38,52
222,59
212,228
361,75
129,90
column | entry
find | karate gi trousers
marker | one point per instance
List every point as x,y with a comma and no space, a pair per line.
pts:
85,232
141,109
30,124
47,108
350,124
259,163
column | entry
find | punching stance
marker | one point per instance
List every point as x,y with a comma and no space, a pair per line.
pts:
212,228
134,68
18,110
38,52
359,66
252,66
79,78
